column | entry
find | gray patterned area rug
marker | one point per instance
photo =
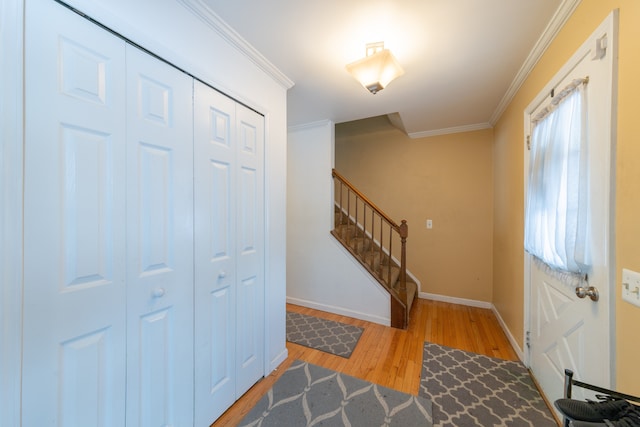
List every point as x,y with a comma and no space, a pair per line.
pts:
468,389
310,395
326,335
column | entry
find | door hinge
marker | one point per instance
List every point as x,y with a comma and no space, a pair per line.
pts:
529,142
527,339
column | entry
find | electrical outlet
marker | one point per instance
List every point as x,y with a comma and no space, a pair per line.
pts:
631,287
429,224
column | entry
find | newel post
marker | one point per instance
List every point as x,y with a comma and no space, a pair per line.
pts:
404,233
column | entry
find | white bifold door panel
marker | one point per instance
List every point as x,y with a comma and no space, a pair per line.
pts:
250,328
229,251
144,250
74,330
159,243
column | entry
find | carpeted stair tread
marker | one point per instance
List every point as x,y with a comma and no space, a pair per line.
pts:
360,244
346,231
412,289
395,273
372,259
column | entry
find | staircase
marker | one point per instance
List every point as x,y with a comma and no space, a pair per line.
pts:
377,242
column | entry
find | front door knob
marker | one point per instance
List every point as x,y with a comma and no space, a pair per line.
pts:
591,292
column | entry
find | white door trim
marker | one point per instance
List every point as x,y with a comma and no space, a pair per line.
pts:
610,27
11,125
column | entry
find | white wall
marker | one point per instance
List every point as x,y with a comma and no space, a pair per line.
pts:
205,48
320,273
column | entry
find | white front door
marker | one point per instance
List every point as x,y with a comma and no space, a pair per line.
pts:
565,331
159,243
74,226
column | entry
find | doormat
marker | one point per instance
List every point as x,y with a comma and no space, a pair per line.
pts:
469,389
308,395
321,334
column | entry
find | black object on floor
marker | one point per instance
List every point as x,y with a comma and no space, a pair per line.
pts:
594,411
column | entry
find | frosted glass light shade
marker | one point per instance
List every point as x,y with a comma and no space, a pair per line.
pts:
376,71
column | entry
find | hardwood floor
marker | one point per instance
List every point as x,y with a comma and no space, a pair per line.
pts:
391,357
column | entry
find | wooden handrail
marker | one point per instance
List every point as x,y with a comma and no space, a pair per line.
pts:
383,252
379,211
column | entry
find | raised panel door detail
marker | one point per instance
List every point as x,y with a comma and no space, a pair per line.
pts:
83,72
156,199
560,355
157,377
86,385
220,210
87,206
248,138
222,338
247,210
247,341
155,101
220,127
250,336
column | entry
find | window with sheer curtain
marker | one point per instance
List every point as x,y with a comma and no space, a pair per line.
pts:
557,196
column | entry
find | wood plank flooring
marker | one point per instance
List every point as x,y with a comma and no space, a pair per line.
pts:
391,357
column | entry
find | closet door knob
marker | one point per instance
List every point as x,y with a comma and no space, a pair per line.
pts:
158,292
222,274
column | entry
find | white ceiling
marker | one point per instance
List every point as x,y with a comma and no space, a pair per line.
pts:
461,58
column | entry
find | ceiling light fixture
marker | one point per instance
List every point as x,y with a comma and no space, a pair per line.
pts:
376,70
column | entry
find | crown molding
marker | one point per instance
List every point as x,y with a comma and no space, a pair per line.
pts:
564,11
310,125
446,131
201,10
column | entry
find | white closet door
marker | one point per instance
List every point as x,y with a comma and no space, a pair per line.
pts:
250,250
159,243
74,236
229,251
215,253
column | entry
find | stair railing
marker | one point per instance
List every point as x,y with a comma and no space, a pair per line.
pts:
381,229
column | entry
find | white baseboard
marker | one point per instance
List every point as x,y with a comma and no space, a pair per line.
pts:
507,332
340,310
277,361
454,300
479,304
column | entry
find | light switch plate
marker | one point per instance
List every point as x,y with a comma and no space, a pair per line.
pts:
631,286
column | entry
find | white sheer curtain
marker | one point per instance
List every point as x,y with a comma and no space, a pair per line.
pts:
557,197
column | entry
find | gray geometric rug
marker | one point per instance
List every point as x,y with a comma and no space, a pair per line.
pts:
326,335
469,389
310,395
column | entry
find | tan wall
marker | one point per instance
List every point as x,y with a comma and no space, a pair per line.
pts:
446,179
508,174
